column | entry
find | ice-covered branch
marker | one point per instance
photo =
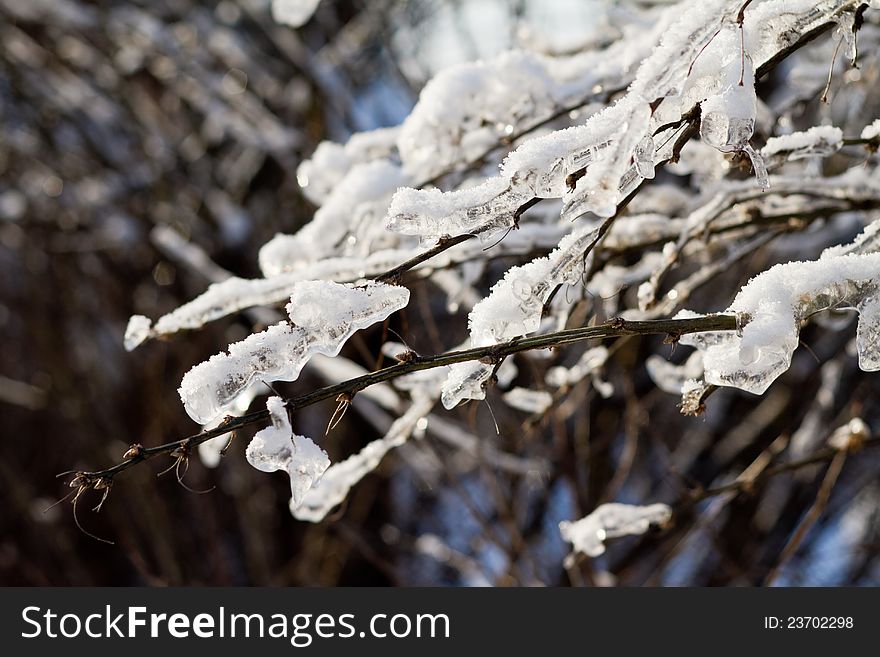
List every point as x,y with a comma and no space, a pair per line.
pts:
608,521
774,304
672,327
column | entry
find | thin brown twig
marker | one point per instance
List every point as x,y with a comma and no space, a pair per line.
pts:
615,328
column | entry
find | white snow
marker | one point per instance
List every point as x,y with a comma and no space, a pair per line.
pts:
613,520
293,12
819,140
137,330
871,131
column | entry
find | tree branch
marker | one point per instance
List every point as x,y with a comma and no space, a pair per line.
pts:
615,328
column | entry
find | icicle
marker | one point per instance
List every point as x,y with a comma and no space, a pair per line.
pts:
278,448
846,30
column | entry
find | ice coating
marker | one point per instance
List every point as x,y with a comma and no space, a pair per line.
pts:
604,183
430,213
612,520
323,316
277,447
513,308
465,381
514,305
529,401
339,479
705,58
727,117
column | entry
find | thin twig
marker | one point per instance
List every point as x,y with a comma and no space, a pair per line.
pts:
615,328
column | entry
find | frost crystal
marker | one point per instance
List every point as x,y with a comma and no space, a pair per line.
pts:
278,448
588,535
323,316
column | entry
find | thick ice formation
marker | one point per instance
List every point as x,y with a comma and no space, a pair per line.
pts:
775,303
323,316
277,447
430,213
588,535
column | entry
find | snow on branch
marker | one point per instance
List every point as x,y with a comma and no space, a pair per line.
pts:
608,521
323,315
774,304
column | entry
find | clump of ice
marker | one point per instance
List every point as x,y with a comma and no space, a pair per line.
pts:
277,447
613,520
514,308
339,479
430,213
772,307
